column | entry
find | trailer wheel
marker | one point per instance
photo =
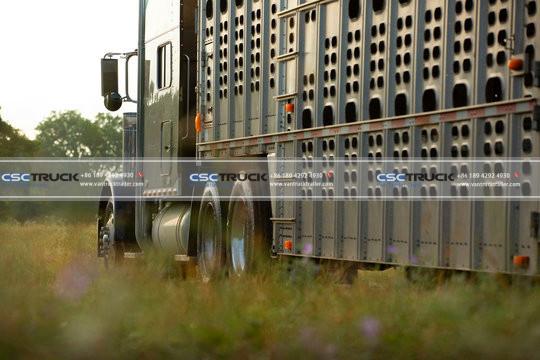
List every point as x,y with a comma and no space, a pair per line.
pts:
210,249
248,230
109,248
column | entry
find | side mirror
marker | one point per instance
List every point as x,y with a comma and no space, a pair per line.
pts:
109,84
113,101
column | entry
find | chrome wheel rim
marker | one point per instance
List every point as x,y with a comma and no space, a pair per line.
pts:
239,238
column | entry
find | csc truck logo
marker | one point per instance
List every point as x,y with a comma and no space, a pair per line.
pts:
16,177
204,177
423,177
392,177
228,177
43,177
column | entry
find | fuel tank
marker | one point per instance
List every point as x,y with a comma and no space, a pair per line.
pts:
170,229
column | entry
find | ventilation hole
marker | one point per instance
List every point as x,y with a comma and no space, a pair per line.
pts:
499,127
488,129
492,18
209,9
464,151
400,106
375,108
223,6
350,112
527,146
503,16
527,124
468,25
494,91
396,138
531,8
499,148
429,100
501,37
379,140
437,14
378,5
459,7
460,95
328,115
307,121
405,137
465,131
487,149
354,9
424,136
467,65
530,30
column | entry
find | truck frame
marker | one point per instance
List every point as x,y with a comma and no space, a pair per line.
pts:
344,80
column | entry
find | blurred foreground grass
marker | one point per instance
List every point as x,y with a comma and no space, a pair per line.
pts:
57,301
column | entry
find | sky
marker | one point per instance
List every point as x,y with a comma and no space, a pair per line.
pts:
50,53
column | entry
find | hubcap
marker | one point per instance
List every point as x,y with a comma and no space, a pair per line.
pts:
209,244
240,238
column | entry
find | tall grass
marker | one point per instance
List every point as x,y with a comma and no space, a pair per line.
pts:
57,300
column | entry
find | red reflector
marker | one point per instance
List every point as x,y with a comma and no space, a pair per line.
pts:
287,245
515,64
289,108
198,122
521,261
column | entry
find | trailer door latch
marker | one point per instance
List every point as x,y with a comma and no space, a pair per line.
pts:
535,224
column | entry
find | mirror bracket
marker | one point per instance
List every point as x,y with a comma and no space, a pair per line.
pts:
109,77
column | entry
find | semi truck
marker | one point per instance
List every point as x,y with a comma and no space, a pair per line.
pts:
350,83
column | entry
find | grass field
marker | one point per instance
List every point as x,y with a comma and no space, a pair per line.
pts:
57,300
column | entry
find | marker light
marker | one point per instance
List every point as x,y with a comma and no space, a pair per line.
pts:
198,123
288,245
289,108
521,261
515,64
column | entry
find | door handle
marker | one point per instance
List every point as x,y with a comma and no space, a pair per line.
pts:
188,83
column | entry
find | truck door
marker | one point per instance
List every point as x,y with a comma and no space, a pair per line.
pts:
168,102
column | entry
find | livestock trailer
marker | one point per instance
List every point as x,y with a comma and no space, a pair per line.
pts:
359,89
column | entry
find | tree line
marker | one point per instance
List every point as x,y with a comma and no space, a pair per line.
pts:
65,134
60,135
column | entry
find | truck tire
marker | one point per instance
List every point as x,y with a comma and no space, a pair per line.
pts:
210,246
110,248
248,230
